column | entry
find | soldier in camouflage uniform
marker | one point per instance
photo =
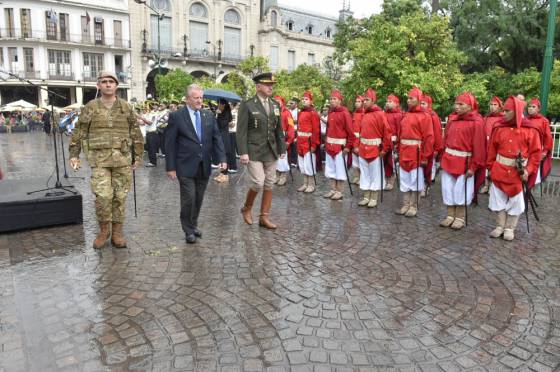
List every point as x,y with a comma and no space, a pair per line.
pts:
107,130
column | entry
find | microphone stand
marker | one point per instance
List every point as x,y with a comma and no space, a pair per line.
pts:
58,185
63,155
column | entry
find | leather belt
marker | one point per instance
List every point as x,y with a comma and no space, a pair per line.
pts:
371,141
304,134
411,142
336,141
510,162
462,154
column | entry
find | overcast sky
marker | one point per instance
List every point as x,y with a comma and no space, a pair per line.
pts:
361,8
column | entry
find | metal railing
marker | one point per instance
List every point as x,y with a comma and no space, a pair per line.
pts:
555,129
87,39
61,76
199,55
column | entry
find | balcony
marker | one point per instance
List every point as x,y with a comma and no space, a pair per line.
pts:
195,55
42,36
57,75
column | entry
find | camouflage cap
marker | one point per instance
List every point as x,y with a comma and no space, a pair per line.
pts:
109,74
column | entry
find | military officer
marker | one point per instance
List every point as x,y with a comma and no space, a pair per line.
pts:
108,132
260,141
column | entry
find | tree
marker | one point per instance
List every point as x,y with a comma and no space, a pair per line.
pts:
173,84
304,77
393,10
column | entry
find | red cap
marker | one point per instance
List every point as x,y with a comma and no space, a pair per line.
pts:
370,93
308,94
393,98
336,94
415,93
360,98
517,106
468,99
535,101
280,99
497,101
426,98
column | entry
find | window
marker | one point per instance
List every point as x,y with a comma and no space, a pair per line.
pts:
290,25
117,29
1,57
86,33
50,18
199,36
64,27
93,65
328,33
13,60
291,60
164,32
98,31
274,58
232,42
273,18
9,21
198,10
311,59
25,20
231,16
309,29
29,66
162,6
59,64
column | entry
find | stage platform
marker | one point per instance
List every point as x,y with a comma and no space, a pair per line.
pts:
21,211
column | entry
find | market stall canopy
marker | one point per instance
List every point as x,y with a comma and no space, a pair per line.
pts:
19,105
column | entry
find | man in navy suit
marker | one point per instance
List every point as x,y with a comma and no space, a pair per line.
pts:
192,141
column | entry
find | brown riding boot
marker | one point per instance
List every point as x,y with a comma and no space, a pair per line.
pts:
265,209
117,236
246,210
103,235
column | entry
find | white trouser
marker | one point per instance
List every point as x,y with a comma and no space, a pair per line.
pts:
500,201
434,168
453,189
370,175
538,180
282,165
356,161
408,180
334,167
305,163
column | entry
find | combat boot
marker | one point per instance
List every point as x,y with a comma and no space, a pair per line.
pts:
460,212
117,236
372,199
511,224
246,211
413,210
448,221
406,203
310,185
338,186
365,200
331,191
500,224
103,235
303,187
265,209
390,183
282,179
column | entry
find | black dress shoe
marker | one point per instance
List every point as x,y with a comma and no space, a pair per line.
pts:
197,233
190,238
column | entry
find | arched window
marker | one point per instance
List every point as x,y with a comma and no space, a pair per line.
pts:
198,10
328,33
162,6
290,25
309,29
231,16
273,18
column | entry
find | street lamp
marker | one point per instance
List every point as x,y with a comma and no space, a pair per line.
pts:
217,57
159,18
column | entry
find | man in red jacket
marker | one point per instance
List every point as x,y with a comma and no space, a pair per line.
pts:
547,142
495,115
283,165
394,116
512,137
416,144
357,116
309,140
374,142
430,169
464,155
340,140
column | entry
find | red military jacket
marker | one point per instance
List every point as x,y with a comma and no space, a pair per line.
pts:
464,133
357,117
394,118
546,141
308,122
339,127
374,126
489,121
288,126
438,132
416,125
507,140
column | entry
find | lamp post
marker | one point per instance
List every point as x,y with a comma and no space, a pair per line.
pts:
217,57
159,17
548,57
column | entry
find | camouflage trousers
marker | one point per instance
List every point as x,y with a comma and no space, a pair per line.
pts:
110,186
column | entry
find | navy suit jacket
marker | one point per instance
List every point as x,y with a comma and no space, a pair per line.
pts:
184,151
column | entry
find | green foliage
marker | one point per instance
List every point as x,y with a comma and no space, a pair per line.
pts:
253,66
173,85
393,10
304,77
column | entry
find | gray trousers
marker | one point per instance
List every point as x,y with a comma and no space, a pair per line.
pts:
191,192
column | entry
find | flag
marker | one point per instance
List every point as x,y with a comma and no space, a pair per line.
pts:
87,18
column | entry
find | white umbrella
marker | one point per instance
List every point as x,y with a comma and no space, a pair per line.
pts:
20,105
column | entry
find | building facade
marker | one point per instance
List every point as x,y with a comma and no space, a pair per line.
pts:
62,45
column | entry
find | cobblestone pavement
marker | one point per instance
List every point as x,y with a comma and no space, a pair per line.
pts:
335,288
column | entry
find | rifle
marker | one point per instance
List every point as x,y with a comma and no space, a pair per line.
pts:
527,197
346,170
417,176
134,179
396,165
466,174
382,171
311,159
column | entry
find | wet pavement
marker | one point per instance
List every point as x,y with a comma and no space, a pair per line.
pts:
335,288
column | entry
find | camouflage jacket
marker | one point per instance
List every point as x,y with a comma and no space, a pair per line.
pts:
107,134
